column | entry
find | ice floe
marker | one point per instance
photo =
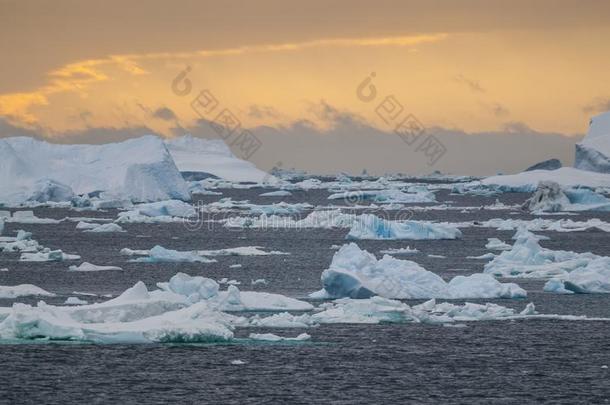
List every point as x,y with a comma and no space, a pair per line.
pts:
22,290
105,228
270,337
86,266
594,277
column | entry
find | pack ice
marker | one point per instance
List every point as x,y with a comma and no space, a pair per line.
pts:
356,273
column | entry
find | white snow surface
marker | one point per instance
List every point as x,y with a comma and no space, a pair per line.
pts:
213,156
140,169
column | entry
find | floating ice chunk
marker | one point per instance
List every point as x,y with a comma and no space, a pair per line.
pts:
528,259
22,290
159,254
592,278
47,256
282,320
195,289
483,286
497,244
270,337
259,281
82,225
550,197
356,273
151,212
437,256
482,257
197,323
86,266
366,311
4,269
75,301
372,227
28,217
262,301
240,251
278,193
238,362
386,196
399,251
106,228
235,266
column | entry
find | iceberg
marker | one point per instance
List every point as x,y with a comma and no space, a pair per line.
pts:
550,197
197,323
592,278
357,274
213,156
370,226
593,152
528,259
139,169
566,177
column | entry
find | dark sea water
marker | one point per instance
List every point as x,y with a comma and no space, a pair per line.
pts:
533,361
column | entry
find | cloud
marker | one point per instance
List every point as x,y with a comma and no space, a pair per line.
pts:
472,84
164,113
598,105
262,111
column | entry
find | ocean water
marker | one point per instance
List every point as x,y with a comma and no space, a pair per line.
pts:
484,362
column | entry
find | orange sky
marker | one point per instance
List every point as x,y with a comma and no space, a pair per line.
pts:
471,65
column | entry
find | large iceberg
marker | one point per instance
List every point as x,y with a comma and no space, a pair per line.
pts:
593,153
140,169
213,156
356,273
370,226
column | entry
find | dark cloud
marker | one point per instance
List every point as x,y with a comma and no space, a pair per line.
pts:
164,113
352,145
262,111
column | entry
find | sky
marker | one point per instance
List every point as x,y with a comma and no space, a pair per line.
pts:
321,85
